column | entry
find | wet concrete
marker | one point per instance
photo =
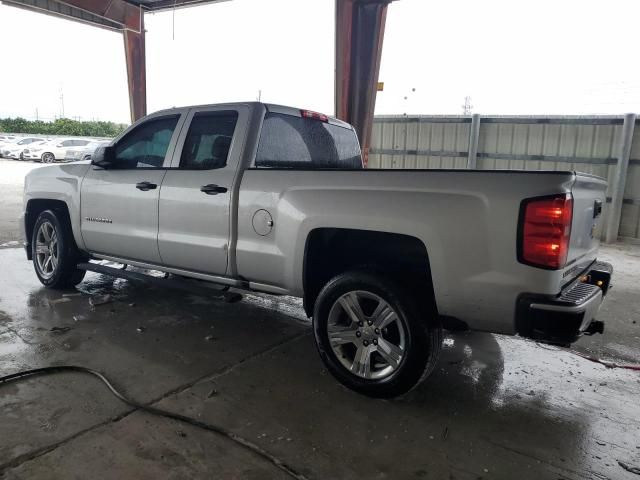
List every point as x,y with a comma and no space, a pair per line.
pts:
621,310
496,407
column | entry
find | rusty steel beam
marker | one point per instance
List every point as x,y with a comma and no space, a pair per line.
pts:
135,56
117,15
110,14
130,18
125,14
359,36
61,10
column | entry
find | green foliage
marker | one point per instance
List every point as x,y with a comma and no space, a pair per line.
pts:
61,126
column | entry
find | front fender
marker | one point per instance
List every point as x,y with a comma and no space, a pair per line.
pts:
61,183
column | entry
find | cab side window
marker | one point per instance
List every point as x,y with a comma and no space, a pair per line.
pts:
208,140
147,144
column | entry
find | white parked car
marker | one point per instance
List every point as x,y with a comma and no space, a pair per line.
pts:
54,150
27,152
6,138
85,153
15,150
7,141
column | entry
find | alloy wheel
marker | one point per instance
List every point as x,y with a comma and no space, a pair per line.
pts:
366,335
47,249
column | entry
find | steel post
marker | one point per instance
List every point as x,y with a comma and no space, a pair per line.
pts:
359,36
135,54
620,178
474,136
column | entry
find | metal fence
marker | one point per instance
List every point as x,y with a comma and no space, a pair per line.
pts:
599,145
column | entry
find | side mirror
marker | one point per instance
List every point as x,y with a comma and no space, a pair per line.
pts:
104,157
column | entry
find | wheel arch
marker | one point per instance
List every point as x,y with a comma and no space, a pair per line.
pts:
34,208
330,251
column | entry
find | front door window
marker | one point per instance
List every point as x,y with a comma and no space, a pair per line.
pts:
146,145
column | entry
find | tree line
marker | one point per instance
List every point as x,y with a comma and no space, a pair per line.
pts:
61,126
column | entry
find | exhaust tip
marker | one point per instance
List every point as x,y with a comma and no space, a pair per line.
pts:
597,326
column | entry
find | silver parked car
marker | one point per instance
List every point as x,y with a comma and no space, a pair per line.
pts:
80,154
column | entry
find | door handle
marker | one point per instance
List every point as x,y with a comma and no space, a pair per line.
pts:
597,208
213,189
144,186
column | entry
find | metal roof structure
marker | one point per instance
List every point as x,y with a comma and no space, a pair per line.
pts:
114,14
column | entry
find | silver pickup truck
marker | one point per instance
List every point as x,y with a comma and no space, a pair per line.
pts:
274,199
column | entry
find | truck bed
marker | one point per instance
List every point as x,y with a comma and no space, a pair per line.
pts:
467,219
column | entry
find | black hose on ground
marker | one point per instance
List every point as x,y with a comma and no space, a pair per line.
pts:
247,445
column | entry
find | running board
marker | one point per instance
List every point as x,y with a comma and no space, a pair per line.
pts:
181,283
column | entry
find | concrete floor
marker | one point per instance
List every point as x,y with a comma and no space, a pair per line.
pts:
496,407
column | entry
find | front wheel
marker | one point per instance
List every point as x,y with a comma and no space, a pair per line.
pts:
48,158
372,336
54,252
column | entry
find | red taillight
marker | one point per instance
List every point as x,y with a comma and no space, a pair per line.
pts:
315,115
545,230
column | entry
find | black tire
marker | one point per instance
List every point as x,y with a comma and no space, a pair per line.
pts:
48,157
65,274
422,334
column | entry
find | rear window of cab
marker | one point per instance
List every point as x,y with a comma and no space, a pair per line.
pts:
288,141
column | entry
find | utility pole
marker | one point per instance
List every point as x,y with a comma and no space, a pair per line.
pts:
259,95
467,108
62,101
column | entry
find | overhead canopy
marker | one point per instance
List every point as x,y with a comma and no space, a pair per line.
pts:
111,14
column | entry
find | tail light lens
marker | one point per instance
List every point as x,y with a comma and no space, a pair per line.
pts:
545,229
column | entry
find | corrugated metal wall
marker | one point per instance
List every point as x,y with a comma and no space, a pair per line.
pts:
585,144
630,221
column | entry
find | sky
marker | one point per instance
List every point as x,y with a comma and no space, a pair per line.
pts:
510,57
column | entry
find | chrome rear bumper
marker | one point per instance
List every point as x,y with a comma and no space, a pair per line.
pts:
563,318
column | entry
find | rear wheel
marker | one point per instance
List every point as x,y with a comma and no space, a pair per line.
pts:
55,255
372,336
48,158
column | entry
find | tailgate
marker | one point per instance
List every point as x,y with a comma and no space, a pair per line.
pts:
589,197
